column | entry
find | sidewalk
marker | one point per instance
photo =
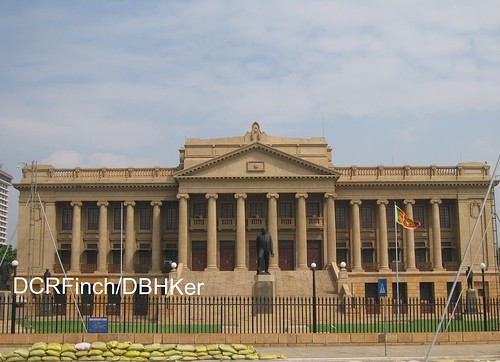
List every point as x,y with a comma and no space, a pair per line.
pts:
448,352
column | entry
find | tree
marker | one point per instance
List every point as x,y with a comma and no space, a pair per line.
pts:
11,253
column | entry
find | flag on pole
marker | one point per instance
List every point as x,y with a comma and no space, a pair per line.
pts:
404,220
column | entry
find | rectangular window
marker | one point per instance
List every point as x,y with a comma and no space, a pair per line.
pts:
340,217
256,209
200,211
419,214
444,216
67,218
227,210
366,217
172,212
117,218
145,218
312,209
391,216
285,210
93,218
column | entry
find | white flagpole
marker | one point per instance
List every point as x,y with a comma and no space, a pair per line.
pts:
397,263
120,286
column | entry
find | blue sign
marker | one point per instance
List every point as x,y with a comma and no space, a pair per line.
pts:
382,287
98,325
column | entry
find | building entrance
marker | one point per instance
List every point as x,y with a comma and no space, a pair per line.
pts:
227,255
199,256
287,260
314,253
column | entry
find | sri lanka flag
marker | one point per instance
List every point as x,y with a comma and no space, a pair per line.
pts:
403,220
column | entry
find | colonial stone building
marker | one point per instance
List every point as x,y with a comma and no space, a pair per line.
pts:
206,212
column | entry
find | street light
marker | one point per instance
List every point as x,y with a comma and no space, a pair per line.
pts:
485,307
315,322
14,264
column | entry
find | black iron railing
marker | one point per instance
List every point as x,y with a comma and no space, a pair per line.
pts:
241,314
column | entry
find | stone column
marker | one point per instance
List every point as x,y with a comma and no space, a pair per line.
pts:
156,249
436,235
272,228
102,254
383,245
76,237
410,238
183,230
212,232
240,232
130,245
301,225
356,236
331,232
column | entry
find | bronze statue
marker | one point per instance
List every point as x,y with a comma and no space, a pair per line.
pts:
264,250
470,278
4,275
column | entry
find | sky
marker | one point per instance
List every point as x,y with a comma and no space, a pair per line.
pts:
124,83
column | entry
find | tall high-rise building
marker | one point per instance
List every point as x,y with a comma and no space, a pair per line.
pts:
5,181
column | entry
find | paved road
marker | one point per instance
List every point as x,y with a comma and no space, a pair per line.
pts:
459,352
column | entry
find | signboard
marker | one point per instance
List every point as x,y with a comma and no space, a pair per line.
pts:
382,287
97,325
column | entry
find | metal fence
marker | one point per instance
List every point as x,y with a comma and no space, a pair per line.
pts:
240,314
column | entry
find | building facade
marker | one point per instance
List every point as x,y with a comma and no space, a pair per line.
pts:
205,215
5,183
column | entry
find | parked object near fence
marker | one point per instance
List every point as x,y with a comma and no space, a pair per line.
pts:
226,314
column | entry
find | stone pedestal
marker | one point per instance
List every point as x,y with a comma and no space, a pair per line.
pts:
470,302
263,292
5,303
46,305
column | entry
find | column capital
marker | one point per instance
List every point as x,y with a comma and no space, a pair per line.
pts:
129,203
212,196
328,195
156,203
237,196
182,196
435,201
409,201
76,203
271,195
299,195
356,202
382,202
102,203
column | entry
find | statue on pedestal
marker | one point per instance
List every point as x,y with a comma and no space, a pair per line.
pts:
264,251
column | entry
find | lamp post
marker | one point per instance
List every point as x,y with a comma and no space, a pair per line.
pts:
485,306
14,264
315,322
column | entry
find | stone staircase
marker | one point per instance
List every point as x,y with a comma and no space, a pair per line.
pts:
288,283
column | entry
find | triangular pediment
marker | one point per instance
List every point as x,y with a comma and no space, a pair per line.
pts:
257,160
